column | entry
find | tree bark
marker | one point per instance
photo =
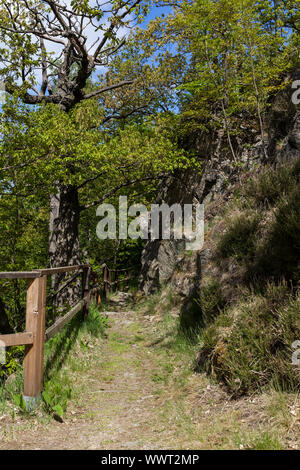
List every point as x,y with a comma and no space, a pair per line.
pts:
64,239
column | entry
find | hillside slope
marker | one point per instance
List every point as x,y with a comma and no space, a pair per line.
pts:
240,293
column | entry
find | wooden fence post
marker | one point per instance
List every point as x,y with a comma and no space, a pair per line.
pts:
98,296
86,289
34,353
109,280
116,280
104,281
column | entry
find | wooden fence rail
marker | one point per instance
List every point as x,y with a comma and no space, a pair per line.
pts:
35,335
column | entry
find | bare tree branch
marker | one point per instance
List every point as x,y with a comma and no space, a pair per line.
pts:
117,188
108,88
57,23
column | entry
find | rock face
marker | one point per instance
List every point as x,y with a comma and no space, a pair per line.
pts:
284,124
120,299
219,174
159,259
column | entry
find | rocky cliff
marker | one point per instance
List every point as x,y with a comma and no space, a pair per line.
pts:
220,176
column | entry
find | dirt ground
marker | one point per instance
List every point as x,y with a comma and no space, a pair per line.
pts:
139,392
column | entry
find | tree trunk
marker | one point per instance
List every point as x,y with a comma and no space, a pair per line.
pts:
64,240
5,327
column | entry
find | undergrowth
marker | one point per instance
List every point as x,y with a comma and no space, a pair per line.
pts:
244,316
247,339
67,348
249,346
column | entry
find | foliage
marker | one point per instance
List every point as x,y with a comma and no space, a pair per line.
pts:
55,397
248,343
45,145
239,239
95,323
12,365
236,55
265,239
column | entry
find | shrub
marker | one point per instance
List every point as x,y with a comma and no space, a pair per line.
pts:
250,346
280,254
267,243
272,184
247,345
210,302
95,323
239,239
14,356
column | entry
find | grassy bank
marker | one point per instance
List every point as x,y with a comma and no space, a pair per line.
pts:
248,301
66,355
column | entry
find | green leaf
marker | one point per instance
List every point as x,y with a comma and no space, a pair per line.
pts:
17,399
46,397
59,410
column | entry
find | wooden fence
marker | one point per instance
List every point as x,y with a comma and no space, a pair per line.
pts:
35,334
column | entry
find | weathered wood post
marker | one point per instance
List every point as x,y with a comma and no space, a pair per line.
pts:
96,282
116,280
34,353
109,280
127,279
86,274
104,282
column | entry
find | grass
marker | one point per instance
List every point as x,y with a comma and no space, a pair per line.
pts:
249,308
262,227
209,423
271,184
280,253
249,345
175,347
279,407
143,375
240,237
265,442
259,441
210,302
66,354
245,338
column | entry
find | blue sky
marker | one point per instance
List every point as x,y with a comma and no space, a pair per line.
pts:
155,11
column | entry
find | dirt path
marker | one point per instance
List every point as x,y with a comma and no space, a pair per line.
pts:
136,394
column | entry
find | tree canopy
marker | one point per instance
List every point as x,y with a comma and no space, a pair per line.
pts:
102,95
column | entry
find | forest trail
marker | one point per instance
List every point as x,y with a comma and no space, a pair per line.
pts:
136,394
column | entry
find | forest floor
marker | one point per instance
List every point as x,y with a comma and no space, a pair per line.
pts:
136,389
